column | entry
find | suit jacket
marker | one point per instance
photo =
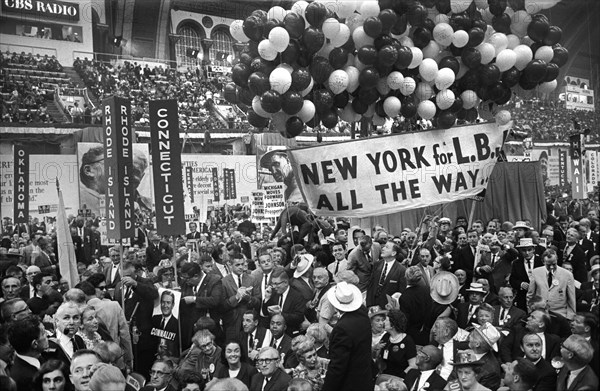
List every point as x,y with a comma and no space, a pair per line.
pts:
546,376
110,283
501,269
414,302
510,347
44,263
284,347
244,375
560,295
209,301
426,275
586,380
233,310
350,352
279,381
436,382
153,253
303,287
465,260
395,281
516,316
577,258
55,350
292,310
588,248
491,298
259,340
462,315
22,373
490,371
518,274
361,266
145,293
195,235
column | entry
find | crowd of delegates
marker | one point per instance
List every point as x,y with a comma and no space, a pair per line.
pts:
192,90
494,305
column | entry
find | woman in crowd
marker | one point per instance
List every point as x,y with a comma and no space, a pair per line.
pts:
319,334
467,371
312,367
52,376
377,316
88,330
234,367
165,277
396,350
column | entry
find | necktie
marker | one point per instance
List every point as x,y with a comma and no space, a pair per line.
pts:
250,342
549,279
337,266
281,301
382,278
416,386
529,264
226,268
194,290
162,323
265,382
239,281
493,259
502,314
73,344
274,343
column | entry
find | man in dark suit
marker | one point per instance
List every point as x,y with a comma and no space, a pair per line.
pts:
571,251
281,341
466,255
467,312
521,270
520,375
156,248
350,342
165,326
506,315
388,276
270,376
531,344
140,293
280,298
28,338
111,271
201,295
193,234
428,358
65,343
576,353
302,277
254,337
413,301
537,322
240,293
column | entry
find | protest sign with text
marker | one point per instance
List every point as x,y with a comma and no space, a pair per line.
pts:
21,184
383,175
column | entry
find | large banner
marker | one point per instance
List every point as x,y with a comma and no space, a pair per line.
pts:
274,167
205,178
389,174
92,178
21,184
43,171
166,157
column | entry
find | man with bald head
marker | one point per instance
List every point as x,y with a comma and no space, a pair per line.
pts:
28,291
428,358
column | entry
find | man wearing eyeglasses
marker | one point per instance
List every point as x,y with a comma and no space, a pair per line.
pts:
160,377
28,291
270,376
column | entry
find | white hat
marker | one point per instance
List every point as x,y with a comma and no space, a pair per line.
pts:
444,287
305,262
521,224
525,242
345,297
476,287
445,220
490,334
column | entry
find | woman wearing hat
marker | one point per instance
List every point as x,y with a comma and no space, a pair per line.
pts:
377,316
467,370
396,350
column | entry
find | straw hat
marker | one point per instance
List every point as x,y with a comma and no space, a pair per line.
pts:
376,310
476,287
345,297
490,334
521,224
444,287
306,260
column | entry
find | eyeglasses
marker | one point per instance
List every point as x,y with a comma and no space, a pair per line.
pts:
262,361
206,345
420,351
562,345
102,288
158,373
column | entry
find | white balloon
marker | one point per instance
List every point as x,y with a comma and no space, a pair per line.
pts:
280,38
281,80
307,112
441,18
506,59
237,31
354,21
369,8
338,81
257,107
532,6
459,6
353,74
391,106
428,69
444,78
547,87
460,38
343,8
444,99
331,27
423,92
417,57
499,41
426,109
286,66
487,52
503,117
361,38
513,41
544,53
277,13
469,98
266,50
443,33
394,80
299,7
341,37
408,86
406,41
432,50
524,55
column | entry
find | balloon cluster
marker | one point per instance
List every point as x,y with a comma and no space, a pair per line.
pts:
437,60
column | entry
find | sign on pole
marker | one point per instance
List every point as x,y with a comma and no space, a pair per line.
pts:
21,185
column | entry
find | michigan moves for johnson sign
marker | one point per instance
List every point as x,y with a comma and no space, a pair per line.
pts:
46,8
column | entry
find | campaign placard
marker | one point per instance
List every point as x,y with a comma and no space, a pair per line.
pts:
21,185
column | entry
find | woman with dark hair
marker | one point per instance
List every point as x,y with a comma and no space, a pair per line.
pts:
397,350
234,367
52,376
165,277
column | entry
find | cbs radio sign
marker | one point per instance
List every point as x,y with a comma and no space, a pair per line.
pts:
43,8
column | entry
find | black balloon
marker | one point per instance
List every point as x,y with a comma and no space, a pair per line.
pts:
497,7
387,56
489,74
338,58
320,69
553,37
341,100
258,83
421,37
293,127
527,84
315,14
314,121
259,64
256,120
471,115
300,79
268,26
511,77
469,81
408,109
460,21
501,23
446,119
368,78
476,37
561,55
417,14
443,6
400,25
290,55
388,19
450,62
538,29
323,100
230,93
246,58
479,23
552,71
405,57
359,107
253,28
534,72
496,91
245,96
367,54
271,101
329,119
457,105
471,57
504,99
368,96
383,40
461,114
379,109
294,24
240,73
372,26
313,39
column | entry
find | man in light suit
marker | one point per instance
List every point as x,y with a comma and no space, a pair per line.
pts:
360,261
388,276
425,265
555,284
576,353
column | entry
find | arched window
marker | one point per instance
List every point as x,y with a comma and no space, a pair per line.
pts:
221,48
189,39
